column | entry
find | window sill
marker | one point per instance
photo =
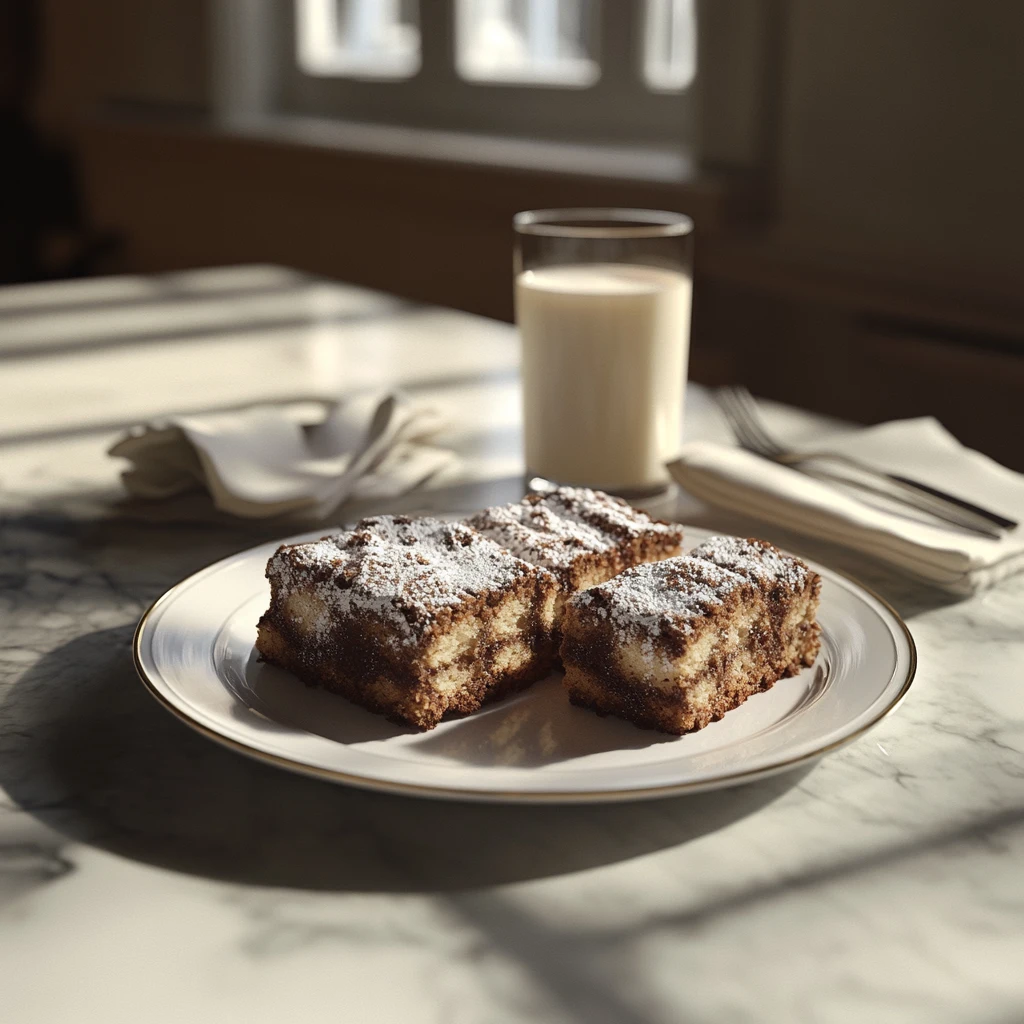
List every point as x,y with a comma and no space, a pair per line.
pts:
666,176
655,164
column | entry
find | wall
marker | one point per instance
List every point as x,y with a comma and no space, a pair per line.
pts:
896,139
883,281
146,50
900,138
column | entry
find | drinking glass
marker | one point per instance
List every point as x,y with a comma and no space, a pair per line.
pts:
603,308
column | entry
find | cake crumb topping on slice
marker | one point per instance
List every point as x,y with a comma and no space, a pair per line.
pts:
553,528
757,560
403,570
660,598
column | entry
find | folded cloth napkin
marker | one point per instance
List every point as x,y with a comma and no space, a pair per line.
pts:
300,459
951,558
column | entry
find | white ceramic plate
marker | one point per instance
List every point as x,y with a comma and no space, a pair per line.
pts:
194,650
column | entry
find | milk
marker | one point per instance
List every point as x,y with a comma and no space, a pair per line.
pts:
604,354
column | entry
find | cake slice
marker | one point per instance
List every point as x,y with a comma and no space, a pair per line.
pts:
582,536
791,590
676,644
410,618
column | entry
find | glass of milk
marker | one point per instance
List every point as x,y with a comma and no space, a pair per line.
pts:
603,308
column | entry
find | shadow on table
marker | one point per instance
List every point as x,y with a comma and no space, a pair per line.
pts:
91,754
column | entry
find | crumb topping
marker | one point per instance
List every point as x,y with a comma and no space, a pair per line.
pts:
757,560
660,599
553,528
402,571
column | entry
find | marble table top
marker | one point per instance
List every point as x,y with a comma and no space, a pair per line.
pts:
149,875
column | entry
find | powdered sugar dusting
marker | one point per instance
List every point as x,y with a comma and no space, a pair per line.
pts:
553,528
756,560
658,598
402,571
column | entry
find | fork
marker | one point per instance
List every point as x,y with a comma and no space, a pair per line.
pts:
741,411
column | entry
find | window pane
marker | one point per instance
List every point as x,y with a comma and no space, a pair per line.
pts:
547,42
358,38
670,45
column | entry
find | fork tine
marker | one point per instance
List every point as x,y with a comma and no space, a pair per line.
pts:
737,425
738,422
724,402
747,405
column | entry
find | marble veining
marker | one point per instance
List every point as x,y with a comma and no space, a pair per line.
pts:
148,874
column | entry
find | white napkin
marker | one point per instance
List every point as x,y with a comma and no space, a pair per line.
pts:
305,458
922,449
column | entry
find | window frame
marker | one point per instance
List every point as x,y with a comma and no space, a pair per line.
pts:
618,108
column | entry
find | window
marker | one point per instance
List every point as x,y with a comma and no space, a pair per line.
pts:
526,41
593,71
358,38
670,44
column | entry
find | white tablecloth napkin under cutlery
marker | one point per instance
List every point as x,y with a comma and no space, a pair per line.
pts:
305,458
922,449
